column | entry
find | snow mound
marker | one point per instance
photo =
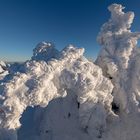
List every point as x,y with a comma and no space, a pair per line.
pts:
50,75
119,60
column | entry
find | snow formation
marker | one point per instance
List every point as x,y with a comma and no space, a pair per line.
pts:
43,80
119,60
61,95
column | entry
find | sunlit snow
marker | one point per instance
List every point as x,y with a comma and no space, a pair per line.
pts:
61,95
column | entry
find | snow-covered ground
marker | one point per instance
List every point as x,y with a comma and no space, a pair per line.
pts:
61,95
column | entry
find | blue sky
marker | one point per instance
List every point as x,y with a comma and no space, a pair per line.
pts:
24,23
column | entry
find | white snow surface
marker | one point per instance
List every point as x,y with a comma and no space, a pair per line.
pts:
61,95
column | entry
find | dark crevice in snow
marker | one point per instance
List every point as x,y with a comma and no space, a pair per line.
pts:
69,114
115,108
110,77
78,105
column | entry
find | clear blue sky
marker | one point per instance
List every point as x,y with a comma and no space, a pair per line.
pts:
24,23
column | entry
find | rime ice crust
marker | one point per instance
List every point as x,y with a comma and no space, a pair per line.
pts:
119,48
119,60
48,77
45,51
81,100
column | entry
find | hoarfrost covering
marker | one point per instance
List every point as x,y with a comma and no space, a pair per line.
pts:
77,99
119,59
45,51
46,79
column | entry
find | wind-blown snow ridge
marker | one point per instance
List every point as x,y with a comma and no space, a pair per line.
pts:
45,80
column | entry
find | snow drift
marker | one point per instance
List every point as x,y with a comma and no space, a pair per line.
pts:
72,97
